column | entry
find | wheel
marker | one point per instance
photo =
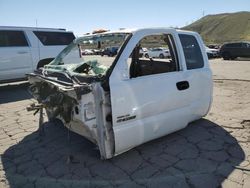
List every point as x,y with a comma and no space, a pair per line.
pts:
161,56
210,56
226,56
146,55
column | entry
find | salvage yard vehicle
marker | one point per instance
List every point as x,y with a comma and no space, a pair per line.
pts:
123,101
24,49
212,53
157,52
111,51
230,51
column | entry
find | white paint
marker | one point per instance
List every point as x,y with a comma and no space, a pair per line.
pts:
160,108
15,62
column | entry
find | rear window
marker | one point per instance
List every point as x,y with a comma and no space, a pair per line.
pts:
12,38
54,38
192,51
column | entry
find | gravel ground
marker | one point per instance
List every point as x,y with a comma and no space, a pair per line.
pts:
211,152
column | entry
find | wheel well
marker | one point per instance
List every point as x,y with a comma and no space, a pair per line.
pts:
43,62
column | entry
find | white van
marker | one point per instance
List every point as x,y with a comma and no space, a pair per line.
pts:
24,49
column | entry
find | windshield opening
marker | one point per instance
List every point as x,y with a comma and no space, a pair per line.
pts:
89,55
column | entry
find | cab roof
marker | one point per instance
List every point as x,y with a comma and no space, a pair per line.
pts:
135,30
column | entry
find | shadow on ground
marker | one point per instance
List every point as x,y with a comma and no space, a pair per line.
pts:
14,92
201,155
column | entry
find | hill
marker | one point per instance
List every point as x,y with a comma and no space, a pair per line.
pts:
220,28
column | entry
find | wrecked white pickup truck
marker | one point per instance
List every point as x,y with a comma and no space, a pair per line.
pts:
121,101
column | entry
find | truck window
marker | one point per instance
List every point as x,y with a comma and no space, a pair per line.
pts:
12,38
234,45
54,38
192,52
154,54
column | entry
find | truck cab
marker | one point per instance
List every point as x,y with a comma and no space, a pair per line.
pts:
123,101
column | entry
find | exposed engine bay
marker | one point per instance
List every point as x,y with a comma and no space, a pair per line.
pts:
70,89
81,108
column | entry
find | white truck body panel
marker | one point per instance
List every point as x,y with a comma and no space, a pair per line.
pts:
160,108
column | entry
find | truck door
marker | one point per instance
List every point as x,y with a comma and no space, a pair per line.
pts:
155,99
198,74
15,55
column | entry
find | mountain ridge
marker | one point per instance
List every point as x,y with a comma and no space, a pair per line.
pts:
224,27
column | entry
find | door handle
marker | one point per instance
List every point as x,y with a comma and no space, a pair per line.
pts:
182,85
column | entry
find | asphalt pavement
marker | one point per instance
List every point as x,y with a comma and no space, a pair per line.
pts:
211,152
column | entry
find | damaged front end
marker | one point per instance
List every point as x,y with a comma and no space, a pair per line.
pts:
70,89
82,109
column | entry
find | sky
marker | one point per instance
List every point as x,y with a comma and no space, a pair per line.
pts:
82,16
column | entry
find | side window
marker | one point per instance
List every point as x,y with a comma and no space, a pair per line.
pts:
192,52
245,45
234,45
12,38
54,38
154,54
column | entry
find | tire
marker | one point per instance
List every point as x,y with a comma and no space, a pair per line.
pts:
161,56
209,56
146,55
226,56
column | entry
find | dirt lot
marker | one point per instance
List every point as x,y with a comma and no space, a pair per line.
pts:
211,152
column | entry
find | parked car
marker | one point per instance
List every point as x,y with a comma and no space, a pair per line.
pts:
214,46
234,50
120,103
24,49
97,51
212,53
142,51
87,52
157,52
110,51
